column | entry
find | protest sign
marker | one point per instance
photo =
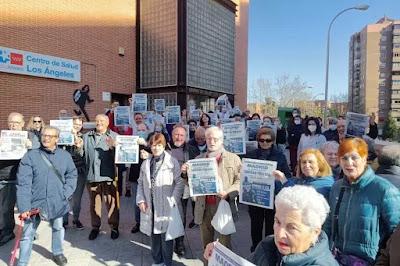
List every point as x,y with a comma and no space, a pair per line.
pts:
222,256
122,116
13,144
214,118
159,105
257,184
252,127
173,114
65,126
234,137
202,177
126,150
139,102
356,124
195,115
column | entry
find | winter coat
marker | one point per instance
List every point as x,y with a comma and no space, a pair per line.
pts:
321,184
229,173
331,135
267,254
390,173
99,158
368,213
38,186
310,142
294,134
390,255
168,185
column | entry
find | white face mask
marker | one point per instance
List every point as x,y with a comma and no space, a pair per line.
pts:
332,127
202,147
297,121
312,128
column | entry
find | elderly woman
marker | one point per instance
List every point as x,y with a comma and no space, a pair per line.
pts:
266,150
159,187
365,207
34,128
313,171
298,239
389,163
329,149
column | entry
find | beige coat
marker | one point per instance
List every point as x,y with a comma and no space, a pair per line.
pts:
229,174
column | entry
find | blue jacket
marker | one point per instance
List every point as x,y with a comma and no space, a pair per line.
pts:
267,254
369,212
321,184
39,187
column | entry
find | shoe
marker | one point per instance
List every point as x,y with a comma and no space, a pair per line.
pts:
93,234
128,193
114,233
60,260
192,224
78,225
179,247
4,239
135,229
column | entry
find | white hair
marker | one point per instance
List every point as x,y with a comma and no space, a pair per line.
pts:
330,145
215,131
312,205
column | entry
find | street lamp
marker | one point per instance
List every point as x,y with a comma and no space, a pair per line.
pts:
358,7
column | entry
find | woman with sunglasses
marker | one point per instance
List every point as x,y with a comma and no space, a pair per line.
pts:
266,150
34,128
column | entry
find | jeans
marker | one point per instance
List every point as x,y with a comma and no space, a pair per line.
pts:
137,210
161,250
77,196
28,234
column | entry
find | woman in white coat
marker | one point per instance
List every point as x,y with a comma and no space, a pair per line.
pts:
159,188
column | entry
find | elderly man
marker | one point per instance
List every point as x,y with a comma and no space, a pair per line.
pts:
331,133
8,176
329,149
98,151
182,152
389,163
229,165
199,140
46,179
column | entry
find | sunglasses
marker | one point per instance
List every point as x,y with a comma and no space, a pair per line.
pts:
265,140
37,121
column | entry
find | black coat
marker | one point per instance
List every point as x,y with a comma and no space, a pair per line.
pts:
391,173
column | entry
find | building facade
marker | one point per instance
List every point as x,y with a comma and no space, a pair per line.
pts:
98,35
187,51
374,70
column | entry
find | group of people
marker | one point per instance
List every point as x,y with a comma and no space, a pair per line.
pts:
331,206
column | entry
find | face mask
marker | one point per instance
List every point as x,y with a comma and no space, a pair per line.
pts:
332,127
312,128
202,147
297,122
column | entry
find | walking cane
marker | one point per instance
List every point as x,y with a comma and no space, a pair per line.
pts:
33,212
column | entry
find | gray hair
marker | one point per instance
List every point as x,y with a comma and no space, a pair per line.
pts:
390,155
312,205
215,131
330,145
51,128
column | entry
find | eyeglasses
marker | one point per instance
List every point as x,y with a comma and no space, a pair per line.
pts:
49,136
37,121
265,140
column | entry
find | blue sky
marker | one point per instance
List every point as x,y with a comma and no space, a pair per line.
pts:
289,37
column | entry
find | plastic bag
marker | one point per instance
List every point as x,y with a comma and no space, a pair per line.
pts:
175,226
223,220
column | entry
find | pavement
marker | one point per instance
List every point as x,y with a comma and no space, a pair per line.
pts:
129,249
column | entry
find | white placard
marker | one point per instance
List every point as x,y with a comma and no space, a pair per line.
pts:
13,144
234,137
222,256
39,65
159,105
356,124
257,184
252,127
139,102
106,96
202,177
65,126
122,116
173,114
126,150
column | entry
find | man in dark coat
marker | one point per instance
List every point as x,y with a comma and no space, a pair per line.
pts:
389,163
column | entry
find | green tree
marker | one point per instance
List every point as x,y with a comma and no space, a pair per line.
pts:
390,129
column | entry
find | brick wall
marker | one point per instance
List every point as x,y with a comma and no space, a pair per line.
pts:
89,31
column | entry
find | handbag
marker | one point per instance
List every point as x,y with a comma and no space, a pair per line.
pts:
223,220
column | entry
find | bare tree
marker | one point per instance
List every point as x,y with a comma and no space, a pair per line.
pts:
291,90
339,98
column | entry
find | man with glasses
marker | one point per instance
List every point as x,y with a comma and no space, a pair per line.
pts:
8,176
229,165
46,179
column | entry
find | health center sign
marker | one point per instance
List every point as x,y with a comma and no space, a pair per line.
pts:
39,65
